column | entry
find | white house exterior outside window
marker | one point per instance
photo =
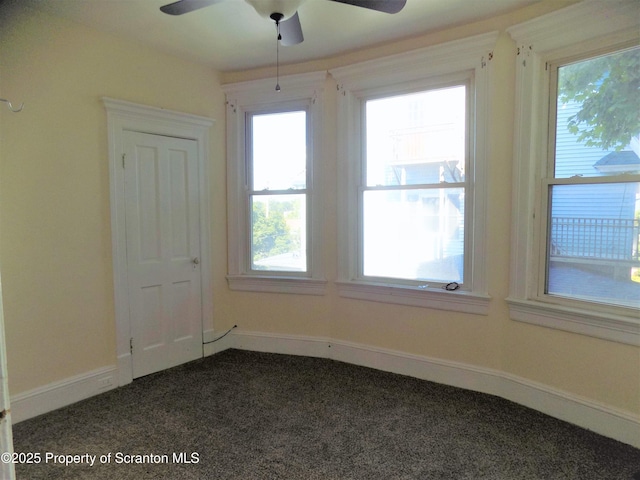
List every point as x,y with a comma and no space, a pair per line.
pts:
274,184
412,177
576,197
413,191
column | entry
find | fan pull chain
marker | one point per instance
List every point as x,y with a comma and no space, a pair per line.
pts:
278,38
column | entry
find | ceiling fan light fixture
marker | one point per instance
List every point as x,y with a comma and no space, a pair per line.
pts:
265,8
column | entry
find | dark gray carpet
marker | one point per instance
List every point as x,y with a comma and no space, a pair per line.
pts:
249,415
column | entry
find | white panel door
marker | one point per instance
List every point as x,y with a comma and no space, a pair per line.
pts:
163,249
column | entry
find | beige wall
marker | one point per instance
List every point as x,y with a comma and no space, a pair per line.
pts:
55,228
54,184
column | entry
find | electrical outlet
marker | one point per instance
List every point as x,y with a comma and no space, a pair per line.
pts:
105,382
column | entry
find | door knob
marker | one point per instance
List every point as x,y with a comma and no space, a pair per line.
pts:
196,260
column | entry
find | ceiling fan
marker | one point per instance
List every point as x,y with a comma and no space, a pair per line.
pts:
283,12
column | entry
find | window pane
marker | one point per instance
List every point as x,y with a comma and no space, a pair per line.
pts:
593,242
279,151
598,116
417,138
414,234
278,233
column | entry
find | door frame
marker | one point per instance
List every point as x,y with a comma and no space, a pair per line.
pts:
126,116
7,469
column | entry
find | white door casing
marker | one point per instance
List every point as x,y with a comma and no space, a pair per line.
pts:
123,117
7,469
163,251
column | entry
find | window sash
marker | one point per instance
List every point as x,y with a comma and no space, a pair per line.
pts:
549,180
279,265
541,292
430,235
250,193
466,185
553,68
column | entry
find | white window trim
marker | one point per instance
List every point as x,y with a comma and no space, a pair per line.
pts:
590,26
261,95
416,68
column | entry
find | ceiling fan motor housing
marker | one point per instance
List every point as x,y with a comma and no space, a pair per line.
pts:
268,7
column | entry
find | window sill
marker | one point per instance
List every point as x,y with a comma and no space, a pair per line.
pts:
275,284
439,299
616,328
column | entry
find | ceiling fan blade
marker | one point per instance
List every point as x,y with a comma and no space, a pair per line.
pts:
386,6
291,31
186,6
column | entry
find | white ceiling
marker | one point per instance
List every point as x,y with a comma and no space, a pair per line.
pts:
231,36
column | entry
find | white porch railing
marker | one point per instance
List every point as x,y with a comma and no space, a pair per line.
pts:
595,238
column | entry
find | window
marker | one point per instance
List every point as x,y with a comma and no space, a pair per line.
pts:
575,257
593,189
414,187
277,190
412,192
274,185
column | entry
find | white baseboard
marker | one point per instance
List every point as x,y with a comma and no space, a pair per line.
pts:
278,343
60,394
580,411
602,419
65,392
